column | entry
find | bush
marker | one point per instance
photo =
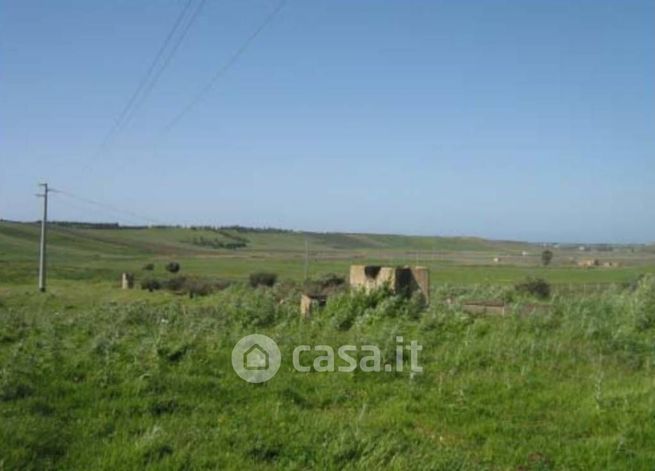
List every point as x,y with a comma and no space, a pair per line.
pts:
344,309
151,284
177,283
201,288
183,285
262,279
332,280
326,284
172,267
149,266
536,287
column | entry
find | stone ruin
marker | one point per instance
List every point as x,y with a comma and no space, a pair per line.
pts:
588,263
127,281
400,280
309,302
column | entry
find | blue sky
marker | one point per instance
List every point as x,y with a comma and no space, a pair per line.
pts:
514,119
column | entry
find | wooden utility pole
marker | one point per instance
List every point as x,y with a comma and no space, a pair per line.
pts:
44,221
306,259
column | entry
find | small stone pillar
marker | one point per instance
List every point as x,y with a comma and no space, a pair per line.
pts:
309,303
422,279
127,281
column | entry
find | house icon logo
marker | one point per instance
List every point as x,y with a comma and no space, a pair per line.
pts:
256,358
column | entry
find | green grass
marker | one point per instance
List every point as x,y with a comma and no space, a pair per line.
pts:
99,378
103,254
95,377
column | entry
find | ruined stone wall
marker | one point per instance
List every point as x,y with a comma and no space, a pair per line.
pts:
401,280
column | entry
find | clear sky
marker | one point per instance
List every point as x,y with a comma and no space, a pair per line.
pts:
515,119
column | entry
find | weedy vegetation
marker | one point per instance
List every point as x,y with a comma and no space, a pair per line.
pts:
147,383
96,377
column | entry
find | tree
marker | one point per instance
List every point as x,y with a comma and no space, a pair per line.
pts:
546,257
173,267
536,287
262,279
151,284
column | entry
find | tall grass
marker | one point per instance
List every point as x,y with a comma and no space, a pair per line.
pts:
150,385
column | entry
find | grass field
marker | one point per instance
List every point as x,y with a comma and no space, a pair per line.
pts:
103,254
95,377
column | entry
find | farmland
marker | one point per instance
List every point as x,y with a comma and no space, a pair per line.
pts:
101,255
95,377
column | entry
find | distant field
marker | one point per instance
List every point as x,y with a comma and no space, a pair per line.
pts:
102,254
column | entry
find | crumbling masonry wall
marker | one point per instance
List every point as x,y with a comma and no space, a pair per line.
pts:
400,280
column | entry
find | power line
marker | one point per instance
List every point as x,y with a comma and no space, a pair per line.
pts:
83,208
108,207
167,61
146,77
157,67
225,67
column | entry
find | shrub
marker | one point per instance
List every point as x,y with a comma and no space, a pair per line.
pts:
203,287
250,308
326,284
149,266
332,280
192,286
200,288
220,285
177,283
546,257
344,309
172,267
536,287
262,279
151,284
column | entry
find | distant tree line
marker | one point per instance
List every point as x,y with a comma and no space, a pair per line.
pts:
86,225
216,243
233,237
244,229
116,225
205,228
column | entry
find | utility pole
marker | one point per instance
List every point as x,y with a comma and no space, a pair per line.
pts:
306,259
42,259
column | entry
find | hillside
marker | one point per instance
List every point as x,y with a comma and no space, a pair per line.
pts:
79,252
21,236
